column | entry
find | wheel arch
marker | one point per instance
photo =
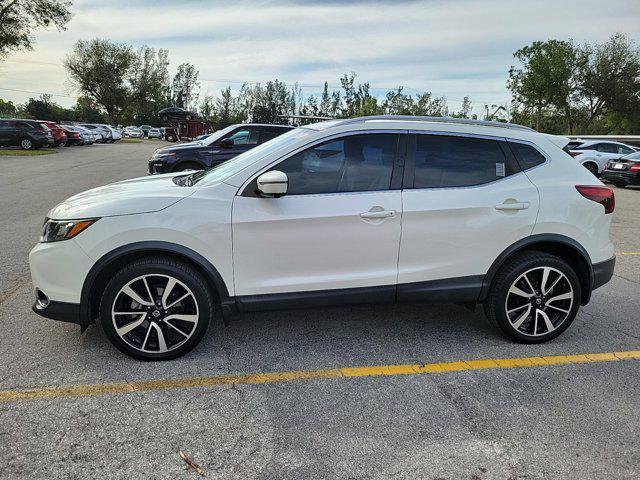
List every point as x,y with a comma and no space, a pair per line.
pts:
181,163
559,245
587,161
104,269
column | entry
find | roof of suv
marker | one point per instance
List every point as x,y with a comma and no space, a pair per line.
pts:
409,118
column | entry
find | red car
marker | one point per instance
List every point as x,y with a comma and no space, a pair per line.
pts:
59,135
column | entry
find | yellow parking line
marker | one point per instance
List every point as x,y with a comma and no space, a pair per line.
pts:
627,253
303,375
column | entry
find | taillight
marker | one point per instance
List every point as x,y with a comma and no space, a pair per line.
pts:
635,167
602,195
574,154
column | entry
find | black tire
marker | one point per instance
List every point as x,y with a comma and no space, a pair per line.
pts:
159,266
171,138
495,305
26,143
593,168
181,167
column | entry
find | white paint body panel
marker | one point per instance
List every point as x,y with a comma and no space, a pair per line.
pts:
457,232
314,242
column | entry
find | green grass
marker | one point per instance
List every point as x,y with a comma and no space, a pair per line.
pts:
131,140
25,153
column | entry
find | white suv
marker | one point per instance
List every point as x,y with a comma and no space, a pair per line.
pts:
376,209
595,154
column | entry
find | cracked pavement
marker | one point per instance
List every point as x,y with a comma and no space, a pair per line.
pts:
569,421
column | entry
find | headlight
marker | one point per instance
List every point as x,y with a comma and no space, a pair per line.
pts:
163,155
56,230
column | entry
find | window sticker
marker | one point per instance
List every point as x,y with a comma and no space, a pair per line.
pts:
500,170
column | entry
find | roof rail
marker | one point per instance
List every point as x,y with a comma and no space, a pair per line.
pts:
409,118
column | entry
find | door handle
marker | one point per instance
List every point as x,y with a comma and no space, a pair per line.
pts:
512,206
378,214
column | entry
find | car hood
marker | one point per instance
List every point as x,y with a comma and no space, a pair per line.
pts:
181,147
138,195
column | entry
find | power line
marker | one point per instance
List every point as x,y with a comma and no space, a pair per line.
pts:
38,93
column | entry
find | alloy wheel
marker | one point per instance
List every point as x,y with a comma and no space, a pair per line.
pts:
539,301
26,144
155,313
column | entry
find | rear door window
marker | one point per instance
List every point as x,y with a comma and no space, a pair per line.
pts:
442,161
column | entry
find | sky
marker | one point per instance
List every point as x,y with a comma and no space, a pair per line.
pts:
450,48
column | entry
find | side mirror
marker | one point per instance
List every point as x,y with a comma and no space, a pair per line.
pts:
226,143
273,184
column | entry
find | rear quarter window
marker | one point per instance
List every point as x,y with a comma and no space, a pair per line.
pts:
527,155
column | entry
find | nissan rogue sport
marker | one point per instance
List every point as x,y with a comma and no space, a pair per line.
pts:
375,209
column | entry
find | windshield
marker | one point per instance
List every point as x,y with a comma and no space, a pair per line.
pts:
236,164
219,135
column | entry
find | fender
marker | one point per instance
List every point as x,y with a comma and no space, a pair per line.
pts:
531,240
149,247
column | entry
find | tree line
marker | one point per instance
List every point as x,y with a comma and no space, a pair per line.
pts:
557,86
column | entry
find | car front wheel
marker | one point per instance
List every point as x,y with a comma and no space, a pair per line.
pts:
534,297
156,308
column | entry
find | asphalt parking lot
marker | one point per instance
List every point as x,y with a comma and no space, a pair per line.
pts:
554,414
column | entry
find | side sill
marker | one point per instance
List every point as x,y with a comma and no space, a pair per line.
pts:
316,298
461,289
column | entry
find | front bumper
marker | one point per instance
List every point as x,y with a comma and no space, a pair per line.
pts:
157,166
602,272
62,311
58,270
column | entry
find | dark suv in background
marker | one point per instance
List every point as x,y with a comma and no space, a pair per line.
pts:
219,147
26,134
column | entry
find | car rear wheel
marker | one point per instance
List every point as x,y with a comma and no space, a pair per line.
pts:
534,297
171,138
592,167
26,144
156,308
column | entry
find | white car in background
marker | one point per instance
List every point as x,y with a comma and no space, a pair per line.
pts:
132,132
154,133
594,154
374,209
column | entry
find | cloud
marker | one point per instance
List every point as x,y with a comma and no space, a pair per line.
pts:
453,48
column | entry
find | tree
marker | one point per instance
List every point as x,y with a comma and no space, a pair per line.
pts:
42,108
547,78
18,19
100,69
148,81
609,80
7,108
186,88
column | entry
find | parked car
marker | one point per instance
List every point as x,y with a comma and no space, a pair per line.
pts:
145,129
377,209
176,113
74,136
57,132
623,171
154,133
132,132
89,137
187,130
26,134
594,154
215,149
104,134
115,133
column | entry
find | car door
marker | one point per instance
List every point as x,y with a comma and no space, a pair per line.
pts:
464,200
7,132
337,228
